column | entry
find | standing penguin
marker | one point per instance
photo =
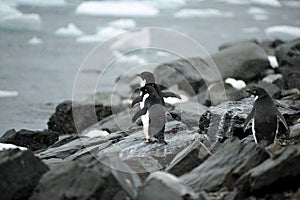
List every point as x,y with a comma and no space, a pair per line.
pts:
155,111
264,118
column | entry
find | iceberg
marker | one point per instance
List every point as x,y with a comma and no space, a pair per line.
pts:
283,32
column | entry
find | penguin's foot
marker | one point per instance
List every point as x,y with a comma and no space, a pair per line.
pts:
153,139
147,141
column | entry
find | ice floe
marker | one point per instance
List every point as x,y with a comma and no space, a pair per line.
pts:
256,11
123,23
273,61
260,17
237,84
102,34
4,146
271,3
70,30
250,30
117,8
13,19
6,93
294,4
205,13
43,3
283,32
166,4
35,41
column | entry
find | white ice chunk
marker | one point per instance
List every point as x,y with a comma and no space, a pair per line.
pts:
4,146
35,41
6,93
42,3
204,13
166,4
31,22
283,32
70,30
272,3
237,84
7,10
260,17
123,23
102,34
172,100
272,77
256,10
97,133
273,61
117,8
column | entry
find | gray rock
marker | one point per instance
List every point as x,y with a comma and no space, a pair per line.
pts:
295,132
274,175
161,185
33,140
231,44
244,61
86,178
63,120
20,173
291,76
289,54
222,169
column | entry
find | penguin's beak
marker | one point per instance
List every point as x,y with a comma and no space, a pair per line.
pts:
139,75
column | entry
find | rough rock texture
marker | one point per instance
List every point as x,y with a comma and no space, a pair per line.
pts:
224,167
20,172
62,120
289,54
86,178
274,175
161,185
33,140
244,61
291,76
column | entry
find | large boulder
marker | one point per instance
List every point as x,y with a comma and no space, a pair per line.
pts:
33,140
20,172
86,178
289,54
161,185
243,61
223,168
63,121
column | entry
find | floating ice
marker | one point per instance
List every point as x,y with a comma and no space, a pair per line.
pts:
237,84
119,8
294,4
11,18
102,34
35,41
256,10
166,4
123,23
97,133
235,2
250,30
260,17
205,13
132,59
4,146
272,77
70,30
171,100
272,3
5,93
273,61
43,3
283,32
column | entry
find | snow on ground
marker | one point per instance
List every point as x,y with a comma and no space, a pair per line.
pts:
123,23
11,18
205,13
43,3
6,93
4,146
35,41
283,32
237,84
116,8
101,35
273,61
70,30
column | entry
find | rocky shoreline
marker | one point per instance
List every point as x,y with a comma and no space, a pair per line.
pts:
207,157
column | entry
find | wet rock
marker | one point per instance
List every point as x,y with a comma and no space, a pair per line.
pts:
33,140
289,54
245,61
86,178
224,167
274,175
20,173
161,185
295,132
62,120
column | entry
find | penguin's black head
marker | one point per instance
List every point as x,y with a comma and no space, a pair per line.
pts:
148,76
148,89
257,91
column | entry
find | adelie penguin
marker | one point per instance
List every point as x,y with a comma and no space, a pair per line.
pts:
155,111
148,79
264,117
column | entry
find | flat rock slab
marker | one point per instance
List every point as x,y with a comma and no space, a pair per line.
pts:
224,167
20,172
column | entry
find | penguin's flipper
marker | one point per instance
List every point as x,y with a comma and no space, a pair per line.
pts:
281,118
248,119
170,94
136,100
139,114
